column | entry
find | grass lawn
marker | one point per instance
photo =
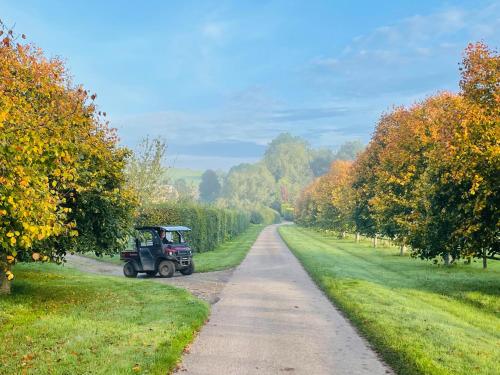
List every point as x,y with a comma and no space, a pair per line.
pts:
423,318
227,255
61,321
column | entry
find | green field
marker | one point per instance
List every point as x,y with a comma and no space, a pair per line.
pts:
190,175
423,318
227,255
61,321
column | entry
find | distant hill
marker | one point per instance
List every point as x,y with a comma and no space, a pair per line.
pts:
190,175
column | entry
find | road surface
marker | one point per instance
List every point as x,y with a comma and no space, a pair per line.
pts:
272,319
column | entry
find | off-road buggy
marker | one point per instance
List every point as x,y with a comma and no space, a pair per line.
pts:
158,250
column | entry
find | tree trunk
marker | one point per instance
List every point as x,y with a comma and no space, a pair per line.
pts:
343,235
4,283
375,241
485,260
402,250
357,237
446,258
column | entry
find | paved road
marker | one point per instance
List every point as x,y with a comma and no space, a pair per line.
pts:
272,319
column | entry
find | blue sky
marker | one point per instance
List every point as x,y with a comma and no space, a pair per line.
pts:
220,79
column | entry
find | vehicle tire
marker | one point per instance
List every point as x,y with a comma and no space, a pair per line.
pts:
188,270
151,273
166,268
129,270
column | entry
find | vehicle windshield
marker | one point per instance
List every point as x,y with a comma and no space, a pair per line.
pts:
174,237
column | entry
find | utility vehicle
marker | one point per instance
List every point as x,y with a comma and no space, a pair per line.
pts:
159,250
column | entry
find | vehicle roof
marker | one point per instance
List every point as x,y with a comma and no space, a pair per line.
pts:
173,228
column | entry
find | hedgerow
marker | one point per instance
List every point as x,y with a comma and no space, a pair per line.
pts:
209,225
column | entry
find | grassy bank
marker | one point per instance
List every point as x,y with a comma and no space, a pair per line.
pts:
60,321
226,255
423,318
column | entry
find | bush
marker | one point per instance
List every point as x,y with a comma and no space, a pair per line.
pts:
287,211
265,215
210,226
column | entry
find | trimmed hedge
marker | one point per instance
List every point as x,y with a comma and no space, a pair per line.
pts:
265,215
209,225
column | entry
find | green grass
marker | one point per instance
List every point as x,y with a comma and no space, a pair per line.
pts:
423,318
228,254
61,321
190,175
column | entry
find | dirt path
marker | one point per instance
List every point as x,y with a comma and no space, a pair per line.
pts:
206,286
272,319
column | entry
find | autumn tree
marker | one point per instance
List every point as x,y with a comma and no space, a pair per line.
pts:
61,171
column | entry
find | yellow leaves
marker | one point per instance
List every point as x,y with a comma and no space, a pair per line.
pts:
13,241
136,368
10,259
35,256
9,275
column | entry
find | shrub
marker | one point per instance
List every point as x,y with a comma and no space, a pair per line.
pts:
210,226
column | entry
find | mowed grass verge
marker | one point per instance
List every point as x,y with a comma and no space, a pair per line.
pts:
61,321
422,318
230,253
227,255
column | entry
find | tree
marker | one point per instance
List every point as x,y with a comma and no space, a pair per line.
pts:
321,161
146,172
187,191
248,185
349,150
288,159
59,162
210,186
328,201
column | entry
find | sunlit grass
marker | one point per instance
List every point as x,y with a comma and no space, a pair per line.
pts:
423,318
61,321
228,254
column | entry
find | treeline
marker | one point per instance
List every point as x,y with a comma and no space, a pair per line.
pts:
429,178
210,225
288,165
62,181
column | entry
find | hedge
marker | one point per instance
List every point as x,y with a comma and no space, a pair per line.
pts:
209,225
265,215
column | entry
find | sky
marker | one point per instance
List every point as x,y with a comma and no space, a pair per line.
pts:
220,79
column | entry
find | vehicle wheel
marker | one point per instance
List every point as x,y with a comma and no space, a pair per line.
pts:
188,270
166,268
151,273
129,270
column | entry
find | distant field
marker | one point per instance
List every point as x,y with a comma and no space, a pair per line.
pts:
423,318
61,321
190,175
